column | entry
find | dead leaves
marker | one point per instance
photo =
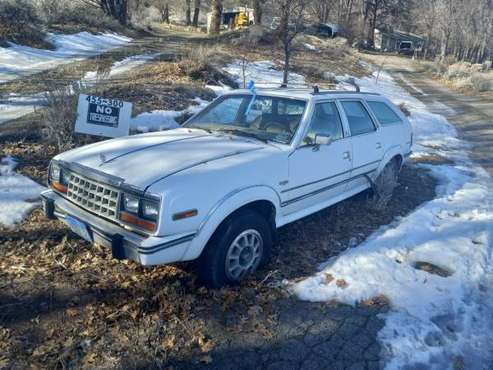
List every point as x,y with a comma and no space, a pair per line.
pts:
329,278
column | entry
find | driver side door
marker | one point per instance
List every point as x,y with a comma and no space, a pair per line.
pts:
318,173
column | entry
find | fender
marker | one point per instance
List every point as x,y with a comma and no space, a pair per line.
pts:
393,151
223,208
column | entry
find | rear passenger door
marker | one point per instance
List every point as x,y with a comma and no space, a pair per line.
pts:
365,139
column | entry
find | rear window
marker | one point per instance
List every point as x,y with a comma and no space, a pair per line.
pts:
384,114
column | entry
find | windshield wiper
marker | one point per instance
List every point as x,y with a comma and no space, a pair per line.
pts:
242,133
201,128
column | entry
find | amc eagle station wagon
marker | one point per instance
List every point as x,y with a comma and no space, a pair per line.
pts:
216,189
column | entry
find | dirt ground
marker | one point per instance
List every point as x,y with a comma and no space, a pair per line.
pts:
67,304
64,303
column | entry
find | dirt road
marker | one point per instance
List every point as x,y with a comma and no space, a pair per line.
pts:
471,114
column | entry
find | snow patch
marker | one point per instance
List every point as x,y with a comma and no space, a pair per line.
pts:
18,60
122,66
18,194
159,120
263,73
433,319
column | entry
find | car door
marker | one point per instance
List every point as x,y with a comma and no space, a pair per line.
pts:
365,139
318,173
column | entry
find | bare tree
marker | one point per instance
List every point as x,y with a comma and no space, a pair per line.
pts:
291,24
196,12
257,11
117,9
216,13
188,12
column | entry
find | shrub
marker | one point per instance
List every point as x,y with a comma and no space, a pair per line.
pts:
480,82
66,13
60,115
20,23
459,70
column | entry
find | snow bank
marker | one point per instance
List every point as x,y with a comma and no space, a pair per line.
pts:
18,194
263,73
18,60
433,320
163,119
15,106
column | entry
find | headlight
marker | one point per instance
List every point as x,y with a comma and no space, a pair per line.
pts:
130,203
141,212
54,172
150,210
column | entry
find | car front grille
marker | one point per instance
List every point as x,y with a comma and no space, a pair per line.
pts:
93,196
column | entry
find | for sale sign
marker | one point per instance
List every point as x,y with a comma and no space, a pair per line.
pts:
102,116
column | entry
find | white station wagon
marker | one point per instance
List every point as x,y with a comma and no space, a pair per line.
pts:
217,188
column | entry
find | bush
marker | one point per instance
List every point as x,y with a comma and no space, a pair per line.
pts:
459,70
60,115
65,13
20,23
480,82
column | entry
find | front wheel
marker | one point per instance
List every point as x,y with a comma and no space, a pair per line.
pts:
238,247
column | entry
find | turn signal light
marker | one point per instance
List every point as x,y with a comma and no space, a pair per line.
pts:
131,219
59,187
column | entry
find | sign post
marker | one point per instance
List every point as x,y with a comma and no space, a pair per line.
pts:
103,117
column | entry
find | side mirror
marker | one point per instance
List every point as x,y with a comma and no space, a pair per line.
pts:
322,139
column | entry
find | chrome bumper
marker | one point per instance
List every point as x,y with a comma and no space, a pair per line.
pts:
124,244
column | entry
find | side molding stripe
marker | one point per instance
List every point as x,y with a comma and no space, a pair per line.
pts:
321,190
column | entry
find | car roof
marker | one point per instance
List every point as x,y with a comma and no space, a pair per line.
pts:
303,93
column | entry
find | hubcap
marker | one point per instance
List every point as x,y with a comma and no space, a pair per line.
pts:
244,254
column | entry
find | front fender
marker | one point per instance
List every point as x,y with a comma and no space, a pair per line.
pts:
225,207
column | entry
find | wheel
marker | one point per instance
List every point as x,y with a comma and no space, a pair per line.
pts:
384,185
238,247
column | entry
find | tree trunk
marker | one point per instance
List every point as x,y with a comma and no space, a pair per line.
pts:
196,12
217,8
165,14
443,44
287,55
188,12
257,11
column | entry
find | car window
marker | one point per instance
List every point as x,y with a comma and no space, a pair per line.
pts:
325,121
260,106
358,118
384,114
291,107
260,116
224,113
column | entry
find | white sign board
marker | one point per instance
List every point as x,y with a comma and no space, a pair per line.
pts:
103,117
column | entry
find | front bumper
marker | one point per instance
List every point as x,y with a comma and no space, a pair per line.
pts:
124,243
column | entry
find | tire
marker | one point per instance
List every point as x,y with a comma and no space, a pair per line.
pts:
243,228
384,185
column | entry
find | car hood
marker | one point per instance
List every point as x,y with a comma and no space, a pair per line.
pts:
142,160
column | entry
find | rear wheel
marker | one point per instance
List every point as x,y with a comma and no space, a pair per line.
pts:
384,185
238,247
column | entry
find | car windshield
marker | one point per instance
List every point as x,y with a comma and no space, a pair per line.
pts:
265,118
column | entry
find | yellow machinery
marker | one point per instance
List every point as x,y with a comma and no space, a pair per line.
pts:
241,20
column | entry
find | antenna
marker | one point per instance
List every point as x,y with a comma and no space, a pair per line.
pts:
316,89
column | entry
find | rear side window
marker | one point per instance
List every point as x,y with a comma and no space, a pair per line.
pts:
358,118
384,114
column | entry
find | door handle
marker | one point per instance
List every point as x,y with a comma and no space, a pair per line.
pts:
346,155
379,145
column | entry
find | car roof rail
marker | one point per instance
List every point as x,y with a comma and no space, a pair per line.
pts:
352,82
